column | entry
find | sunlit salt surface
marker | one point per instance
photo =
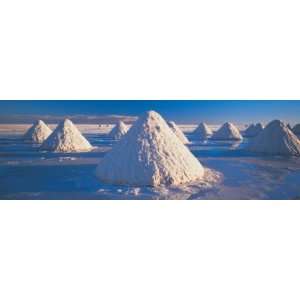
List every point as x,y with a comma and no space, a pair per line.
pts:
27,173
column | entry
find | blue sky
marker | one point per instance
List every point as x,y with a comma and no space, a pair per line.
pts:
217,111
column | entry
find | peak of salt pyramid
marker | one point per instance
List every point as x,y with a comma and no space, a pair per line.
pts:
228,131
66,138
178,132
253,130
38,132
149,154
276,139
202,131
119,130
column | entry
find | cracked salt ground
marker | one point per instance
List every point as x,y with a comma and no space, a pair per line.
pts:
26,173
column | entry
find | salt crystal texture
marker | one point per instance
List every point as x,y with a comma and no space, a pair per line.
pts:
296,129
149,154
276,139
202,131
38,132
118,131
253,130
178,132
66,138
227,132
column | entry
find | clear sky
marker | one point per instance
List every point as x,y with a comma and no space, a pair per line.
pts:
180,111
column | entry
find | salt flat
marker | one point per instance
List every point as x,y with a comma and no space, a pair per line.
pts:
27,173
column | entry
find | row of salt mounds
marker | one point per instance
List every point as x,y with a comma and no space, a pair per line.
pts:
118,131
227,132
178,132
202,131
296,129
253,130
276,139
38,132
149,154
66,138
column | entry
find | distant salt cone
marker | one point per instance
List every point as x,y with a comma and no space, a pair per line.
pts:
289,126
118,131
227,132
66,138
178,132
149,155
202,131
253,130
38,132
276,139
296,129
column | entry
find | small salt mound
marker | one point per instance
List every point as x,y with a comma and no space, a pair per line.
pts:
276,139
118,131
290,127
253,130
178,132
202,131
149,154
296,129
227,132
38,132
66,138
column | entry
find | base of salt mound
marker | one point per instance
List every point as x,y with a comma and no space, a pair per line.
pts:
187,191
208,181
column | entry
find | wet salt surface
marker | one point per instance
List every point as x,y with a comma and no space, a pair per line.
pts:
27,173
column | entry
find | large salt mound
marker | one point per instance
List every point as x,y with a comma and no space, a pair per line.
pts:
296,129
38,132
276,139
149,154
253,130
227,132
66,138
178,132
202,131
118,131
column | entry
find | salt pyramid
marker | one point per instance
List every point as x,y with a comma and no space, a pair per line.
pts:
276,139
253,130
66,138
38,132
178,132
202,131
296,129
149,154
227,132
118,131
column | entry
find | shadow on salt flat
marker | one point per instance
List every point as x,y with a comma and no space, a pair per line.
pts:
80,182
